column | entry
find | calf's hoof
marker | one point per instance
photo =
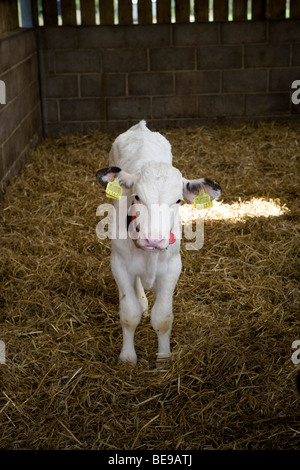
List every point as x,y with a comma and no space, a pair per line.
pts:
129,358
163,360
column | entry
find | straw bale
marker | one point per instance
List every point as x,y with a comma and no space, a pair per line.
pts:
231,383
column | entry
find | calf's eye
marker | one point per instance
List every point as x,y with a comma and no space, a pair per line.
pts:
136,197
179,201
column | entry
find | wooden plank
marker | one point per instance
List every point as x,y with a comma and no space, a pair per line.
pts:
107,15
201,10
68,12
34,11
295,9
49,12
145,11
87,8
220,10
275,9
182,11
8,15
125,12
239,10
163,11
258,9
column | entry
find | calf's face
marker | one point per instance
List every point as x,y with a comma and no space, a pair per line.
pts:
156,191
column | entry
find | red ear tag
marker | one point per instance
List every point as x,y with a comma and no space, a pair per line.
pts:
172,238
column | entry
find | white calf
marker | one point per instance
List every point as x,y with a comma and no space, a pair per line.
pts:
148,213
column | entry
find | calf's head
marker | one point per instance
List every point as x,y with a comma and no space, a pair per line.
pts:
155,192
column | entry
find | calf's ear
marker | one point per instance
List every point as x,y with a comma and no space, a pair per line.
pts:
107,175
191,188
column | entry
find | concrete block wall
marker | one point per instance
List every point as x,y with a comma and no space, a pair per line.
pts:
172,75
20,116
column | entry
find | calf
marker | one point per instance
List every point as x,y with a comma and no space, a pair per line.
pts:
148,212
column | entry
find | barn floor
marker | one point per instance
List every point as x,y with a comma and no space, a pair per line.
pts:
231,382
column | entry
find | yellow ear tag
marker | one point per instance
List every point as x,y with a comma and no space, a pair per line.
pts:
114,190
202,201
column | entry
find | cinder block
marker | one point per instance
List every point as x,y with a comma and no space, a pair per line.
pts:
17,78
267,104
46,62
284,31
267,55
16,110
102,85
150,83
174,107
126,35
147,35
100,36
295,109
61,86
115,84
16,47
53,129
220,105
50,111
64,37
36,122
296,54
9,154
197,82
2,173
219,57
78,61
128,108
124,60
237,32
81,110
169,58
91,85
195,34
282,79
244,80
17,142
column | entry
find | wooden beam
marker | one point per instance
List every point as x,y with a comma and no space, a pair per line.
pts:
49,12
163,11
145,11
220,10
125,12
107,14
201,10
259,9
275,9
68,12
8,15
295,9
87,8
182,11
35,13
239,9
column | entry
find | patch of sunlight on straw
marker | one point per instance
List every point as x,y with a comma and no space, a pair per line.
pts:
256,207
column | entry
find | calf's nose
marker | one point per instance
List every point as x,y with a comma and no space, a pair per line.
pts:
150,242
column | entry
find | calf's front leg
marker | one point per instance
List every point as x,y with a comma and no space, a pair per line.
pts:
162,311
130,309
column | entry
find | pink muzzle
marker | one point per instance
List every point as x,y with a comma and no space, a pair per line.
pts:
150,243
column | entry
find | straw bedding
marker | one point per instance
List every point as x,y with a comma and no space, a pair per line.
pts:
231,383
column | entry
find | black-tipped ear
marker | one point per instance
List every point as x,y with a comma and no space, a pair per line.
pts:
106,175
191,188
